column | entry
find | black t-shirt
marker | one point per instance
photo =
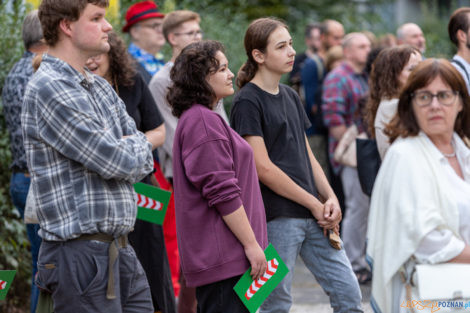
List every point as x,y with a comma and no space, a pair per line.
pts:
281,121
140,105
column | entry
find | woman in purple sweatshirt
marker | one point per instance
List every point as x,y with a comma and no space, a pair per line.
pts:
220,217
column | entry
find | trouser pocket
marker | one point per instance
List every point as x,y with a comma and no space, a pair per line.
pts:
46,277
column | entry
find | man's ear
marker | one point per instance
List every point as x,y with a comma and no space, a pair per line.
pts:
171,39
461,35
65,27
134,32
258,56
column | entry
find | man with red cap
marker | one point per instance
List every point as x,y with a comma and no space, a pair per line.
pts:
144,25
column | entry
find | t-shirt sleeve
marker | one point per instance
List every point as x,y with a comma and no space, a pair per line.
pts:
302,114
209,167
151,117
245,118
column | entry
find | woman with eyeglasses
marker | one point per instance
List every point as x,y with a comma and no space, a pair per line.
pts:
420,205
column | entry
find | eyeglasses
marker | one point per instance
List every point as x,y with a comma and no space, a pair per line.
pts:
154,26
424,98
192,33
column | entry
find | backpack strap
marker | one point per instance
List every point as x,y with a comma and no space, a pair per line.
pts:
459,64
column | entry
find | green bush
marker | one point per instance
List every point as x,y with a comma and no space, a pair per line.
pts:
14,246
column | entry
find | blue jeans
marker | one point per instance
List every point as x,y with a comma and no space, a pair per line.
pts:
331,267
19,186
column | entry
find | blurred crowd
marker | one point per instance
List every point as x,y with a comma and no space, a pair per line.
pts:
360,165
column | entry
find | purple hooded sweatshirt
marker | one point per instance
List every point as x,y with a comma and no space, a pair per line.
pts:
214,174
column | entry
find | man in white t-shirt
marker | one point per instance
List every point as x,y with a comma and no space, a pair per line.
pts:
459,26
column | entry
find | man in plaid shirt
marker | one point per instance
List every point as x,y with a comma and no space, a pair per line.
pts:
84,153
342,89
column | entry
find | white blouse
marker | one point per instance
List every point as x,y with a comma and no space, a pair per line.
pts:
440,245
385,112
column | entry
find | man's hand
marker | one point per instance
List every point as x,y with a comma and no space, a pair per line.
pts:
257,259
331,215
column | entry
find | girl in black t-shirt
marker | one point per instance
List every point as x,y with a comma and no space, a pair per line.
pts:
301,207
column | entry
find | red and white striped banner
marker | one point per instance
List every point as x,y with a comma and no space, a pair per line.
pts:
3,284
257,284
146,202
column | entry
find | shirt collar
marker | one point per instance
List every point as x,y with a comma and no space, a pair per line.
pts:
462,60
137,51
27,54
461,150
67,70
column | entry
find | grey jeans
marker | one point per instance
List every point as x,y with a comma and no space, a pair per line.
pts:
354,229
76,273
331,267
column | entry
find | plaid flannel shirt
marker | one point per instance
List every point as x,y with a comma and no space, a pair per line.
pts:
342,90
12,99
81,164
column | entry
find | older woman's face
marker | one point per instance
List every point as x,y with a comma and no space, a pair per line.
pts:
99,65
436,107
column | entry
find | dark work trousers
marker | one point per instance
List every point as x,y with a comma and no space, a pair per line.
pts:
76,273
219,297
149,245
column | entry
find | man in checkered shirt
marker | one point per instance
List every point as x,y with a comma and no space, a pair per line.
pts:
84,153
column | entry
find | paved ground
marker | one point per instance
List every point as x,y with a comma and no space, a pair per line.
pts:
309,296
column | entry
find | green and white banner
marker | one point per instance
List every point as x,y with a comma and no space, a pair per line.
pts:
152,203
253,293
6,278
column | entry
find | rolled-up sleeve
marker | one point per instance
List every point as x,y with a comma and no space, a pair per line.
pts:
209,167
439,246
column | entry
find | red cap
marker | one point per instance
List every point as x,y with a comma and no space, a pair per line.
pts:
141,11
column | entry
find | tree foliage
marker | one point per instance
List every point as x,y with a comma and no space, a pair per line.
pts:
14,246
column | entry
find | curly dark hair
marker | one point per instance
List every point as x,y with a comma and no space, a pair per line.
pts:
189,73
384,82
404,123
122,67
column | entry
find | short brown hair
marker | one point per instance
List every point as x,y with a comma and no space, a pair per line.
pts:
459,20
404,123
174,20
334,54
51,12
